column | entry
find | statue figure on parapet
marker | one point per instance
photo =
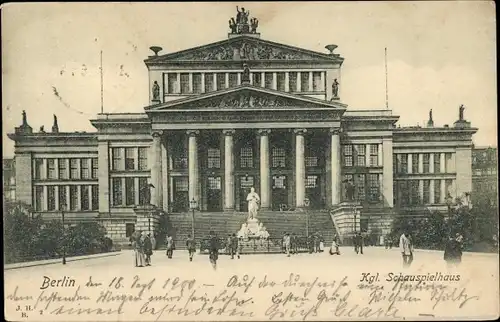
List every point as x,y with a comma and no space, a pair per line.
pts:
233,26
156,91
245,76
254,23
253,204
25,120
242,16
335,88
242,24
461,112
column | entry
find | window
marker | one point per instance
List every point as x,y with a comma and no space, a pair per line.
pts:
448,186
197,89
360,155
95,197
51,198
84,191
143,158
268,80
304,82
348,158
184,83
144,191
278,157
246,157
181,184
117,191
360,186
278,182
317,86
221,81
448,163
63,202
233,79
129,191
437,191
73,168
414,194
426,161
213,158
38,168
51,168
414,163
209,82
426,196
311,181
95,167
38,198
374,187
73,198
437,163
129,158
85,169
280,81
374,155
63,168
292,81
403,188
117,158
348,180
214,183
180,158
257,79
129,230
403,163
172,83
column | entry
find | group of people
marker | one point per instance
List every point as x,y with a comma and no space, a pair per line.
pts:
232,246
314,243
143,245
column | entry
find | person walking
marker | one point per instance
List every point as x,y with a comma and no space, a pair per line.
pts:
283,249
148,249
234,247
139,251
334,249
316,242
213,248
310,243
287,242
170,246
293,243
358,243
228,244
406,248
191,247
453,250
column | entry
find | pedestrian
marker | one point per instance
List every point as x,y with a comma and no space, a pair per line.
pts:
310,243
358,243
138,248
283,248
293,243
170,246
334,250
148,249
213,249
453,250
153,242
228,244
406,249
321,243
287,242
191,247
234,247
316,242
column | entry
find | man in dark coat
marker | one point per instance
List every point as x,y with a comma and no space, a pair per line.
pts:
213,249
148,249
453,250
191,246
233,246
310,243
358,243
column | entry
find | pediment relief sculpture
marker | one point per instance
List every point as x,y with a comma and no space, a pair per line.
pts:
244,50
242,100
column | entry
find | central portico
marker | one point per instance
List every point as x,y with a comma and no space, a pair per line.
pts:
215,147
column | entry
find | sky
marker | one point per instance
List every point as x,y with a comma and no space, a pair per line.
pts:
439,55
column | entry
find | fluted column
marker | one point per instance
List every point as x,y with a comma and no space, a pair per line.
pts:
300,169
193,165
156,192
432,192
387,172
336,166
228,170
265,194
410,163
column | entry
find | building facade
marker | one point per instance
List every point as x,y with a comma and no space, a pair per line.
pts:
484,175
239,113
9,180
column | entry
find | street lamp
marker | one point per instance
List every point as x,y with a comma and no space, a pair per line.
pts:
63,207
193,205
449,203
307,202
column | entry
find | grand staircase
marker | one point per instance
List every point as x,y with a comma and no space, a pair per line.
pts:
276,222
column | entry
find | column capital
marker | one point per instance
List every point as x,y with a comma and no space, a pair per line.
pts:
157,134
334,131
228,132
192,132
300,131
263,132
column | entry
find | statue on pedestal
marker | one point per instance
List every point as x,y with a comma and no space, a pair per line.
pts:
55,126
254,23
233,26
253,203
25,121
245,76
335,88
461,112
156,91
243,233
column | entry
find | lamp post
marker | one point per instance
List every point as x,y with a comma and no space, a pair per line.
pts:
63,207
193,205
307,202
449,203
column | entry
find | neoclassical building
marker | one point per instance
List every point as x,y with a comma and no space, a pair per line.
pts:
239,113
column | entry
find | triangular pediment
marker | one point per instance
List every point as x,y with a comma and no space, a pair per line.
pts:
245,97
244,48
